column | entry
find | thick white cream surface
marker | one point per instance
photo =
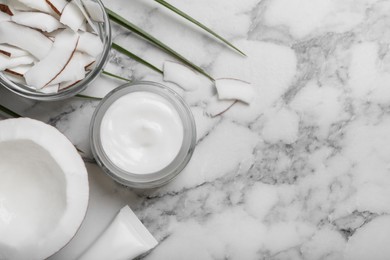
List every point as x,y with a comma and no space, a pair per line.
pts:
141,132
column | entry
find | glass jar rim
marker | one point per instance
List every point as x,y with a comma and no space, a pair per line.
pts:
154,179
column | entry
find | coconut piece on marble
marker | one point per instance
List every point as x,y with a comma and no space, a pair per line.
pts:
37,20
25,38
182,76
235,89
46,70
216,107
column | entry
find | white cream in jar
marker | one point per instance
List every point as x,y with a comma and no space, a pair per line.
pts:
141,132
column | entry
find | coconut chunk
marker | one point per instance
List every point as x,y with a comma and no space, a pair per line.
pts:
37,20
86,15
45,71
7,62
44,185
19,70
88,61
4,17
16,6
235,89
25,38
15,78
11,51
72,16
57,5
94,10
39,5
67,84
182,76
84,26
73,71
4,8
216,107
50,89
90,44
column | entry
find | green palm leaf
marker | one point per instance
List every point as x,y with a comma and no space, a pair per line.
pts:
135,29
134,57
114,76
88,97
9,112
189,18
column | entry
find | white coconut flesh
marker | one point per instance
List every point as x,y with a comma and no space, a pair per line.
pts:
4,17
5,8
41,21
54,63
15,6
72,16
235,89
86,16
35,31
7,62
43,190
39,5
182,76
19,70
217,107
51,88
12,51
25,38
90,44
73,71
57,5
94,10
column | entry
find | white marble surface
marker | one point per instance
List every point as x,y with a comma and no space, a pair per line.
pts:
301,173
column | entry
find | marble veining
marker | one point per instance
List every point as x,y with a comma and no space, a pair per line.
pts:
301,173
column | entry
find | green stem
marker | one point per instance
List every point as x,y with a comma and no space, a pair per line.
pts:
134,57
135,29
189,18
88,97
9,112
114,76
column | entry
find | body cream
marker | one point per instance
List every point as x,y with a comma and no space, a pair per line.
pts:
143,134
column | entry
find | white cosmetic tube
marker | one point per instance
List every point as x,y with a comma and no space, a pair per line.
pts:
125,238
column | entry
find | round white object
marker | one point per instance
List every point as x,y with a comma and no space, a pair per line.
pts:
141,132
43,190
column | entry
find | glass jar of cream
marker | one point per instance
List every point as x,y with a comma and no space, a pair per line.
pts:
142,134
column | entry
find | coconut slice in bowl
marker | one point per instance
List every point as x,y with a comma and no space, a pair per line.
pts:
43,190
52,44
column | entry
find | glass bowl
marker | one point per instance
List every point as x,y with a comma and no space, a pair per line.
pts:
153,179
104,30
